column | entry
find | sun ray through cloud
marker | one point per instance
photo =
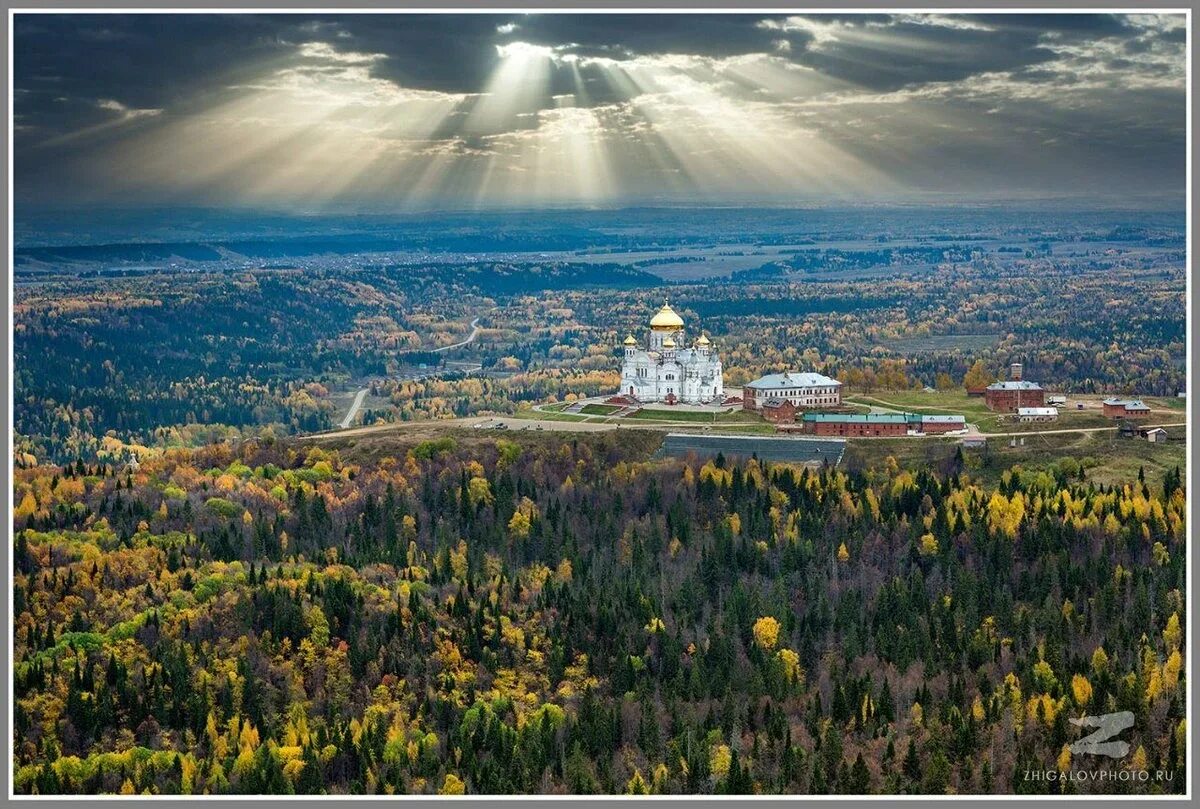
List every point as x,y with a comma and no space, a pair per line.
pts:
539,110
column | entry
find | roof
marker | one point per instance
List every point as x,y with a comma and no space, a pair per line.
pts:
666,319
1014,384
773,403
856,418
1128,404
791,380
766,448
1155,430
943,419
1037,411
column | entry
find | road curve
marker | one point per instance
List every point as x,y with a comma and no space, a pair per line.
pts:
469,340
362,394
354,406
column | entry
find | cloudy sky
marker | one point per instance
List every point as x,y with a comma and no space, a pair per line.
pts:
412,111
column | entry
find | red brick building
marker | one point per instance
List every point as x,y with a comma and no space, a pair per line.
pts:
1007,397
779,411
856,424
933,425
1126,409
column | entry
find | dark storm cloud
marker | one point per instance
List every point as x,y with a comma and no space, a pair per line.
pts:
154,61
84,81
937,54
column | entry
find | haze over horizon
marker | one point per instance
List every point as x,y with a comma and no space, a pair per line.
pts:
497,111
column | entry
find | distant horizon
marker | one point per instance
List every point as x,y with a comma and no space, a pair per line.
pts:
115,226
1066,204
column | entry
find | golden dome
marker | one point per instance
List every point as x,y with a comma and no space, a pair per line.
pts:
703,341
629,341
668,343
666,319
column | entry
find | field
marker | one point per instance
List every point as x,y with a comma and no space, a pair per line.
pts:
1107,458
593,409
655,414
977,413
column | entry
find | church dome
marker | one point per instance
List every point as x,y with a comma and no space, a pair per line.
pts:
629,341
666,319
668,343
703,341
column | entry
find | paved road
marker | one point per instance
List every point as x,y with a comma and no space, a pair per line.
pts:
483,422
469,340
362,394
511,423
358,400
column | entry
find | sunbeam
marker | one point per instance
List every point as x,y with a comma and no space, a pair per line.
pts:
823,108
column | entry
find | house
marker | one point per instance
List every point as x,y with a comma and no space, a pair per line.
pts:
1115,408
1156,435
1037,413
974,442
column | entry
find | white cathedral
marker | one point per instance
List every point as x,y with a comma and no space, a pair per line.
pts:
667,371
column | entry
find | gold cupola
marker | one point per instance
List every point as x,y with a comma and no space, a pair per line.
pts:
666,319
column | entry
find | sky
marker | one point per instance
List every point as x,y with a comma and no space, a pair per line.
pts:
398,112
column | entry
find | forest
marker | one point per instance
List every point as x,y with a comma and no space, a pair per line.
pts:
463,614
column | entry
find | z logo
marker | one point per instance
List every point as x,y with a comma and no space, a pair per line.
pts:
1107,725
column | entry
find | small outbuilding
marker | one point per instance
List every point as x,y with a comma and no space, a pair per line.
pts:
780,411
1156,435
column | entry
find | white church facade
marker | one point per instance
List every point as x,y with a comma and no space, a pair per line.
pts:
667,370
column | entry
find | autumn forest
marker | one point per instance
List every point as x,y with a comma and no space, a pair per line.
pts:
537,615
